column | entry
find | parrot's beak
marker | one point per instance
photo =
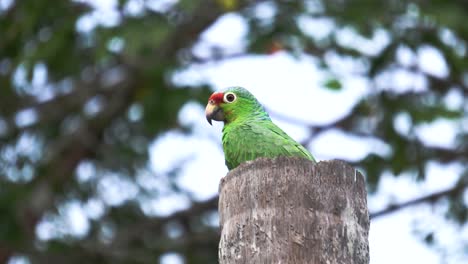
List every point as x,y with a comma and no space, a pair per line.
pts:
213,112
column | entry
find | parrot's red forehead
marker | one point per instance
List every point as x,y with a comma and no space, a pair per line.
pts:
216,97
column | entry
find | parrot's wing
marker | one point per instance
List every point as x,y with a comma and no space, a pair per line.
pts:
252,140
284,143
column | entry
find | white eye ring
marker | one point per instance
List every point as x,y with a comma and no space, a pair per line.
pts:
229,98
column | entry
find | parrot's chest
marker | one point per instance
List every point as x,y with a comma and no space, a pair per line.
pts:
241,144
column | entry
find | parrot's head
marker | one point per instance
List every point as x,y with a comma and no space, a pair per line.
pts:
233,103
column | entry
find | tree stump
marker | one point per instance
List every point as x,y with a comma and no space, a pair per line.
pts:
292,211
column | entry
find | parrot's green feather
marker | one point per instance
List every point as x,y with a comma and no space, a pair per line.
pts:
249,133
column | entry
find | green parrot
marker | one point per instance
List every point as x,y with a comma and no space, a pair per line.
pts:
248,131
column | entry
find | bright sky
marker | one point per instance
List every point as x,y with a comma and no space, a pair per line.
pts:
292,87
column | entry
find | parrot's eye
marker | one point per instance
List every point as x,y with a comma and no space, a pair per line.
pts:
229,97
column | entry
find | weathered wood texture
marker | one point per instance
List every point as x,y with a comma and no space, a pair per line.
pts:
291,211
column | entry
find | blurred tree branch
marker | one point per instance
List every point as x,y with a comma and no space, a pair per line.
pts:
430,198
134,232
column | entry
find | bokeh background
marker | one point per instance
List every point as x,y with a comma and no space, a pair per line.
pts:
106,156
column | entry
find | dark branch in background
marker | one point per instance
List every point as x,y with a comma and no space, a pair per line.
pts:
66,154
184,35
126,247
218,57
431,198
133,232
46,112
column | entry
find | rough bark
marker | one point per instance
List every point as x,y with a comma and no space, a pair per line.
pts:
291,211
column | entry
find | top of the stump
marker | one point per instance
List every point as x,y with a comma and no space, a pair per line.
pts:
292,162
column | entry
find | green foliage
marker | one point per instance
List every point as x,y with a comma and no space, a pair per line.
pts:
108,94
333,84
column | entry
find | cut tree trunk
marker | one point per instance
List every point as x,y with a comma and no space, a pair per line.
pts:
292,211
